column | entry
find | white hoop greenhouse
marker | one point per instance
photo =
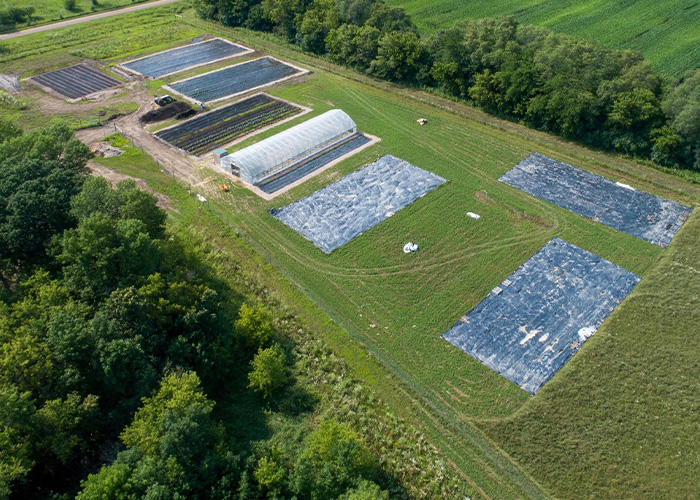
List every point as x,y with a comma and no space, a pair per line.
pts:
285,151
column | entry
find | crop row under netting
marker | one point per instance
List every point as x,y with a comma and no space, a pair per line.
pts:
218,127
182,58
314,163
234,79
76,81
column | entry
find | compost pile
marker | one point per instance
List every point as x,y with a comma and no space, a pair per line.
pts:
169,111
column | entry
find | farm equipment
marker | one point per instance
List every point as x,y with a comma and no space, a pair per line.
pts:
162,101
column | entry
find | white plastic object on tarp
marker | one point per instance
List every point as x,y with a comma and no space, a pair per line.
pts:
586,332
474,216
626,186
410,247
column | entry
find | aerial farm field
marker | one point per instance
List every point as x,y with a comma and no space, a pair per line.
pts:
396,306
665,32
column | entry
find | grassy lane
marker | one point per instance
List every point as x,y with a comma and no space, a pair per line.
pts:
665,32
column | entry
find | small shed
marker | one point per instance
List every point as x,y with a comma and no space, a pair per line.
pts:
218,154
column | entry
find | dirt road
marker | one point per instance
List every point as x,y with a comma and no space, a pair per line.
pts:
131,128
85,19
174,162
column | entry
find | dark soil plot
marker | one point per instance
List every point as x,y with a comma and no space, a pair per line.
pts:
537,319
616,205
173,109
234,79
216,128
76,81
337,213
182,58
315,163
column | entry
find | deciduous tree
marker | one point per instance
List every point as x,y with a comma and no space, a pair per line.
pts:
269,371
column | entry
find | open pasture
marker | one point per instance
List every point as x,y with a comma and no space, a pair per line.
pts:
665,32
529,326
75,81
235,80
614,204
341,211
187,57
226,124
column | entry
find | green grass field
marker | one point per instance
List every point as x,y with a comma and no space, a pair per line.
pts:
396,306
49,11
665,32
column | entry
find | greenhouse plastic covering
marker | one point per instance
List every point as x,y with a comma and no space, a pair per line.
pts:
182,58
275,153
530,325
317,162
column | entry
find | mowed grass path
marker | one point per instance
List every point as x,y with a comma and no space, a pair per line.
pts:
665,32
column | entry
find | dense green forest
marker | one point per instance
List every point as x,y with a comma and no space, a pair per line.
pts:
129,370
603,97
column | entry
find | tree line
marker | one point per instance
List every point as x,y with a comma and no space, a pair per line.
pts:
116,346
603,97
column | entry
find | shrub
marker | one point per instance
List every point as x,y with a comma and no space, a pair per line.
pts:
254,326
269,371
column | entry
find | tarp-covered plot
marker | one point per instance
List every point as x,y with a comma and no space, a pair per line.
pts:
75,82
234,80
530,325
614,204
339,212
285,157
186,57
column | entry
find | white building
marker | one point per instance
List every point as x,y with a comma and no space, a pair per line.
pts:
285,151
